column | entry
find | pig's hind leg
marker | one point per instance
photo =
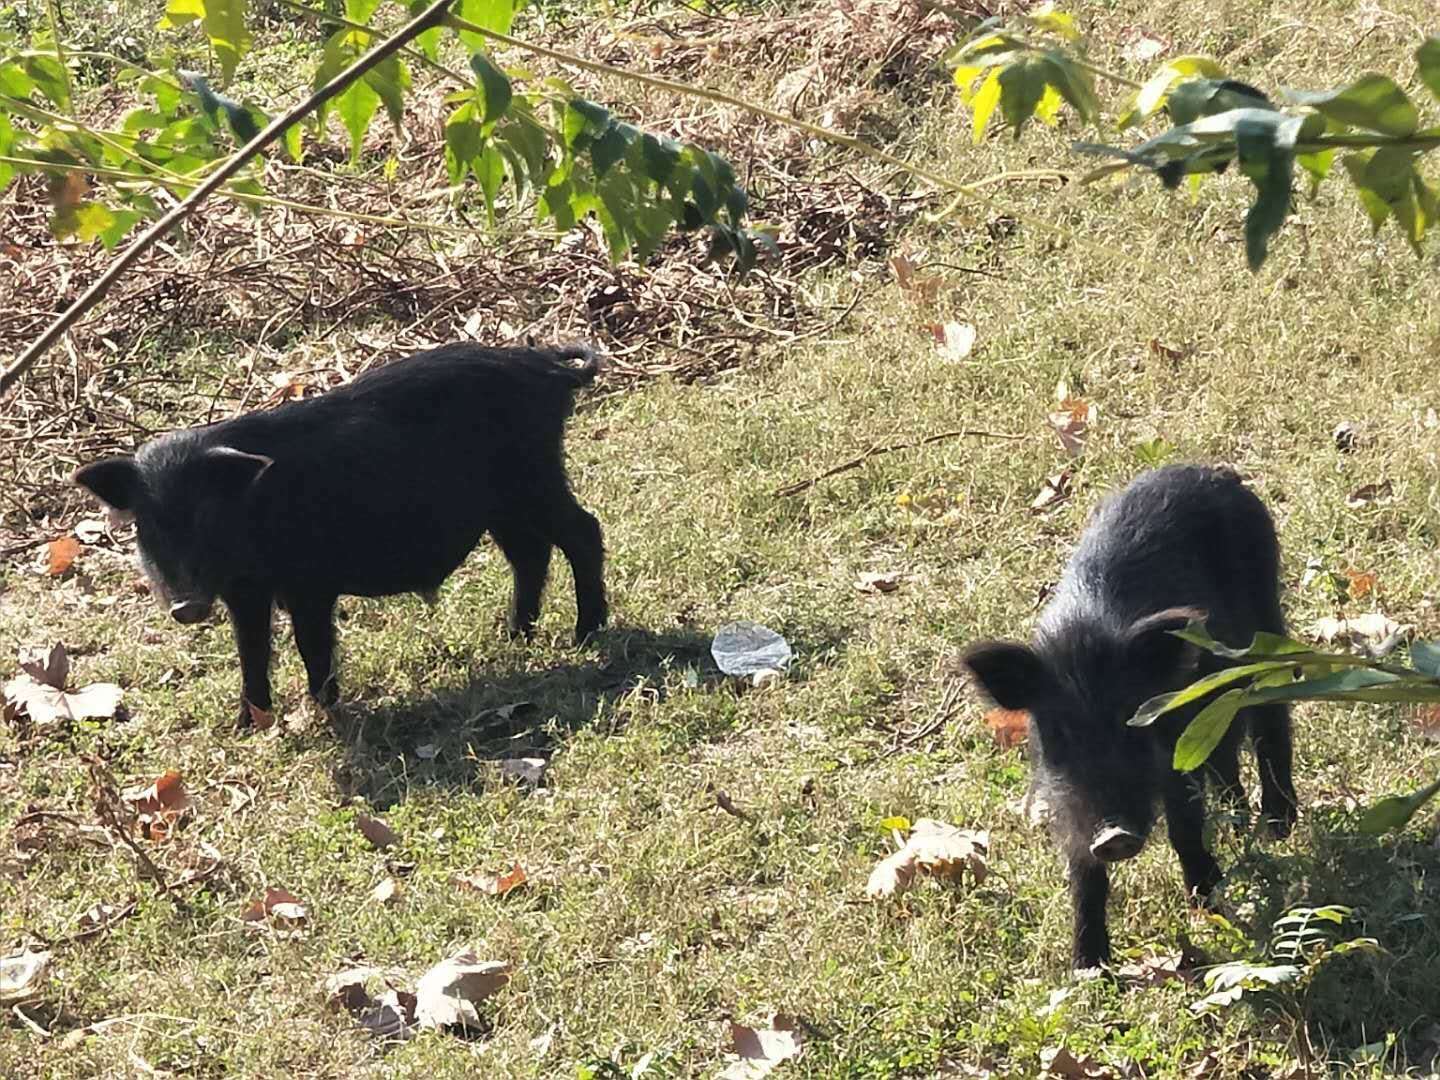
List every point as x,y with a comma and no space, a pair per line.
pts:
313,619
528,553
1270,733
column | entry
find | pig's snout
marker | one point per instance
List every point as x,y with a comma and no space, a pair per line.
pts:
1115,843
190,611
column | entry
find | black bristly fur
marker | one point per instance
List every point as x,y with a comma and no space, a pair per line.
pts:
1178,543
381,486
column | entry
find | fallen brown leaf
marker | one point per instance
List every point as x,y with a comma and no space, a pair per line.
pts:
60,555
1011,727
49,666
376,831
260,719
1055,491
1361,584
759,1050
933,847
1369,493
491,884
869,582
954,340
46,705
447,994
1060,1062
1373,633
385,891
160,806
281,905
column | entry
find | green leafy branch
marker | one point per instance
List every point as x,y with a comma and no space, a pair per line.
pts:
1274,669
1035,65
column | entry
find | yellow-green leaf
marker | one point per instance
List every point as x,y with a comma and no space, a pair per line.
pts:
984,102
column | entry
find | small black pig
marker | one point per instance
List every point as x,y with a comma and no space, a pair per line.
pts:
1180,542
381,486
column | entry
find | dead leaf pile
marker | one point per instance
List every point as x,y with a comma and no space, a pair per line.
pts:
39,693
935,848
757,1051
446,997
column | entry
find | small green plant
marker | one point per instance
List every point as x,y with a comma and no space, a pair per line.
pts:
1034,64
1152,453
1277,668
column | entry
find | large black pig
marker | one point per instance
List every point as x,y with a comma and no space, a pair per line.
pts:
1180,542
381,486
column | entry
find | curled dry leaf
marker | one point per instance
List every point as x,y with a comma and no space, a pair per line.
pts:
160,806
101,916
91,530
1011,727
390,1016
1362,584
1346,436
1373,633
759,1050
936,848
954,340
281,905
528,770
491,884
1055,491
1072,422
878,583
1141,44
1369,493
922,288
1061,1063
49,666
1156,969
376,831
447,994
22,976
386,891
60,555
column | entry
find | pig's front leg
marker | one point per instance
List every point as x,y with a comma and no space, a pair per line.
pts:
313,617
250,617
1185,822
1089,890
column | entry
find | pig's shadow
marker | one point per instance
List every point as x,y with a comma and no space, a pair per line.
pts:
1394,889
455,737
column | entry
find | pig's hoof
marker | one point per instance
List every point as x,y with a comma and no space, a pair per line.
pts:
1279,825
328,694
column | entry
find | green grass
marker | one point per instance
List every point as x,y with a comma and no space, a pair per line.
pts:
650,915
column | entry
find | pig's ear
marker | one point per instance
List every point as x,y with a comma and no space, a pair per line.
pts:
1151,644
234,471
115,481
1009,672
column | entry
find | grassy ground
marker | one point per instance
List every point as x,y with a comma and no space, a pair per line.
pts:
651,914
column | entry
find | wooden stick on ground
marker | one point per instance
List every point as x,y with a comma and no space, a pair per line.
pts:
877,451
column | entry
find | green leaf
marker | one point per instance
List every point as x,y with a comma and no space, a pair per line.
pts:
1376,208
1196,98
356,106
1156,90
463,139
608,149
1396,811
555,204
490,171
1057,22
1428,59
495,15
894,824
1265,145
390,79
1074,84
428,42
7,147
49,78
982,106
225,26
360,10
1354,684
1204,733
1373,102
14,82
1022,85
294,137
1164,703
659,156
1424,655
493,90
530,141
